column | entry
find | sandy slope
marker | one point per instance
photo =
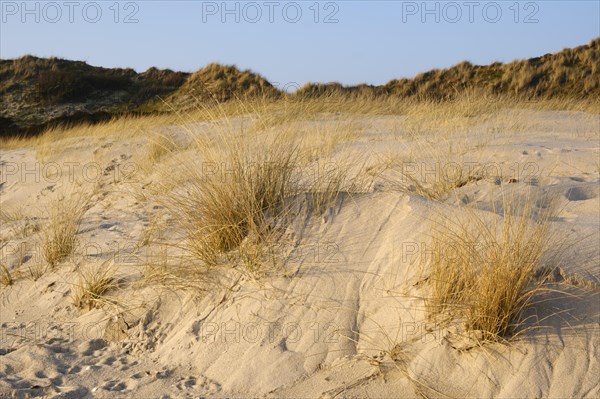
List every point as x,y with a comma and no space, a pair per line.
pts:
346,319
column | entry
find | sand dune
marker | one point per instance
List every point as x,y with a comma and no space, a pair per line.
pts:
340,309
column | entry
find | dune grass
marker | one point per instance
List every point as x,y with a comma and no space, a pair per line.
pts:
434,170
58,236
422,114
21,224
232,193
93,283
126,126
159,146
37,270
156,149
6,278
445,179
483,271
240,184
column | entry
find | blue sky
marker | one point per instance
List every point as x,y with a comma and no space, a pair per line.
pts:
291,43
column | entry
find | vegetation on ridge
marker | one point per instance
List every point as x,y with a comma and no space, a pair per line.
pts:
38,93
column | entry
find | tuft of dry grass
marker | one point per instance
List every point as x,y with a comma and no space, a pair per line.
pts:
322,138
64,218
37,270
156,149
323,188
10,214
241,186
20,224
167,268
440,170
94,282
443,182
230,195
156,267
483,271
6,278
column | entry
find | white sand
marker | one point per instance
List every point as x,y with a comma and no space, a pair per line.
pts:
326,329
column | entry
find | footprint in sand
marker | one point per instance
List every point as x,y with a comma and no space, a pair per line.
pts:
73,370
110,360
582,193
93,346
114,385
186,383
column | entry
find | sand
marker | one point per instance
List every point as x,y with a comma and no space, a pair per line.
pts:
346,318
